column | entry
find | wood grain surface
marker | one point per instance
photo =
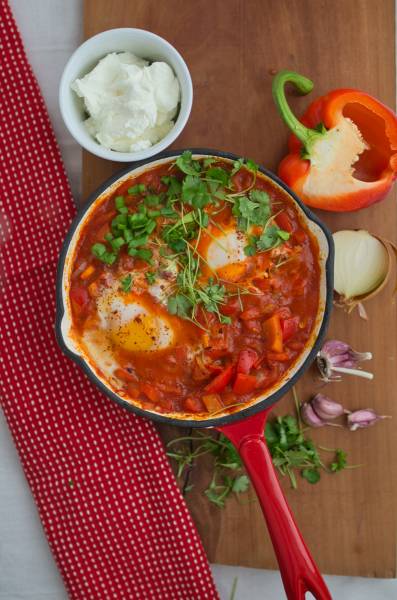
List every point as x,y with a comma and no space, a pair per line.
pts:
232,49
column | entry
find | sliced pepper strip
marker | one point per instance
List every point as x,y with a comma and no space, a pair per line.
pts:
219,382
343,151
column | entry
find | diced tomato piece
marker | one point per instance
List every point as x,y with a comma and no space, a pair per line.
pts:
296,345
212,402
251,313
273,333
284,312
165,403
192,405
284,222
278,356
244,384
133,390
215,353
232,307
289,327
299,236
261,358
229,398
151,392
152,181
246,360
125,375
220,381
242,180
79,295
254,326
214,367
262,283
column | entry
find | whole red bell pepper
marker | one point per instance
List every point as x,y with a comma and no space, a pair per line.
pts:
343,151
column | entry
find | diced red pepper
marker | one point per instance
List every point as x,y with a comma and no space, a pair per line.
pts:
283,222
246,360
244,384
289,327
220,381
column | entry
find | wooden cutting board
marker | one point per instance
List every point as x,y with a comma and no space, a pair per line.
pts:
232,49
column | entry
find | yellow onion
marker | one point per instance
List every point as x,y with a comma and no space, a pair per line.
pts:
363,265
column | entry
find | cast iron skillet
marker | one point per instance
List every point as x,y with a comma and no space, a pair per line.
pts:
244,428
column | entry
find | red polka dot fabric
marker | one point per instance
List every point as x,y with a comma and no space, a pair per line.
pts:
113,515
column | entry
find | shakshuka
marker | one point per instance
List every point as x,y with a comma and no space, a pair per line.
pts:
194,286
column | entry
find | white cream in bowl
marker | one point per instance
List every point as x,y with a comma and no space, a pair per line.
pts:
131,103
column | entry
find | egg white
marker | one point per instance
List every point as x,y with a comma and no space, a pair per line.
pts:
132,324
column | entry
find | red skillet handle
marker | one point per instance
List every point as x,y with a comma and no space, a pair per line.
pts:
298,570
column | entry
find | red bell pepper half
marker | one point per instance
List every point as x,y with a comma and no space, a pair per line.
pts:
343,151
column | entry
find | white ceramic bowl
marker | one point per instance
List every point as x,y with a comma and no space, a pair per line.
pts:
145,45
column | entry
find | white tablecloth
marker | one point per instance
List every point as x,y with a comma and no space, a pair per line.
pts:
51,29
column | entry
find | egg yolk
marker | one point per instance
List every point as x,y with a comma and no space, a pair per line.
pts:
138,335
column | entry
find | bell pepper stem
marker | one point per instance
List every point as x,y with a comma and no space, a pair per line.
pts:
304,86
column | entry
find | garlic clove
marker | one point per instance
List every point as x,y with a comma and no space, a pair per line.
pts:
309,416
338,357
362,418
325,408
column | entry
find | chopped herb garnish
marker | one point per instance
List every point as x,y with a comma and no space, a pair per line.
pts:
218,174
150,277
187,164
98,250
137,189
126,283
271,237
252,210
195,192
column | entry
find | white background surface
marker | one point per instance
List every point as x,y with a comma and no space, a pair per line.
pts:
51,29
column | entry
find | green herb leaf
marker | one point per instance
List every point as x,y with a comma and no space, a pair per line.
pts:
311,475
271,237
251,165
150,277
187,164
252,210
126,283
340,461
179,305
218,174
194,192
240,484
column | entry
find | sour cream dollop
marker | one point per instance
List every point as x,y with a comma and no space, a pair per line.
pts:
131,103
